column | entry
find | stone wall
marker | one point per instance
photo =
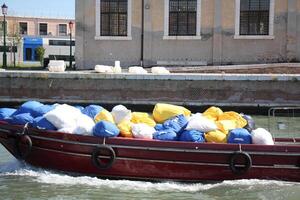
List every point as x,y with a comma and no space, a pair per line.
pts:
182,89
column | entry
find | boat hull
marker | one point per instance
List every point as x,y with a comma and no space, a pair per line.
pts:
150,159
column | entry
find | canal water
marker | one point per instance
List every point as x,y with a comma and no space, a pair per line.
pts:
20,181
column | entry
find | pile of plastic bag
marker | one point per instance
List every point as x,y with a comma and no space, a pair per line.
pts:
167,122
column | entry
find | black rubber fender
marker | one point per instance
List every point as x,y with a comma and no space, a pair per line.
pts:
238,170
23,139
98,162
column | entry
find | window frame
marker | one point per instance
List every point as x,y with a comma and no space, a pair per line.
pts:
98,35
187,37
63,34
40,28
26,28
237,23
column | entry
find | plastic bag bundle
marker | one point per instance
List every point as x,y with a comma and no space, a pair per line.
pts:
84,125
163,112
159,127
262,136
105,129
92,110
159,70
239,136
142,118
137,70
192,136
57,66
29,107
63,116
6,112
213,113
216,137
40,111
166,135
42,123
121,113
240,121
177,124
201,123
104,69
104,115
250,122
142,131
226,125
125,129
20,119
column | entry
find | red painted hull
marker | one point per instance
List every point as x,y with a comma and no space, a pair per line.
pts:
154,160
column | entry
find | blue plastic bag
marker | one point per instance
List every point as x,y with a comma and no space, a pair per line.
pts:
177,124
92,110
166,135
159,127
43,123
20,119
40,111
192,136
28,107
105,129
239,136
6,112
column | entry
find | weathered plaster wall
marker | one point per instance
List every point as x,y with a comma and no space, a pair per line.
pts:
95,52
217,45
254,50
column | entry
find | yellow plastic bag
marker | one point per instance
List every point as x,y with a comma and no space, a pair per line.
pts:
226,125
240,121
216,137
213,113
142,118
163,112
125,129
104,115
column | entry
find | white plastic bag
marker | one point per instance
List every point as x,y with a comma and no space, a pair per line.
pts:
104,69
84,125
56,66
63,116
200,123
262,136
66,130
121,113
142,131
137,70
159,70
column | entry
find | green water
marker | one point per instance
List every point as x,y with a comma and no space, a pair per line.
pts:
18,181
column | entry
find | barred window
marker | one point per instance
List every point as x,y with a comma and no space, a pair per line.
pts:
62,29
23,28
43,29
254,17
114,17
182,17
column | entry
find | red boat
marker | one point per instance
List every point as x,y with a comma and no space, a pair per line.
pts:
122,158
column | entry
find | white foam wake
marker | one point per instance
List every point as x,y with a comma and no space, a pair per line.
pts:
47,177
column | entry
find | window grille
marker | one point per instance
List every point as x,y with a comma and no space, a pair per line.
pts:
254,17
114,17
62,29
43,29
23,28
182,17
